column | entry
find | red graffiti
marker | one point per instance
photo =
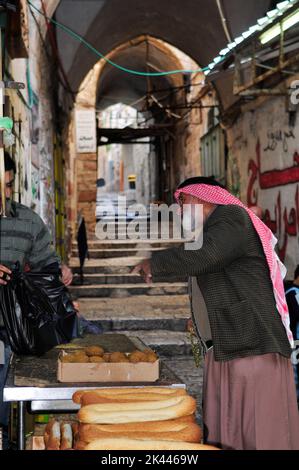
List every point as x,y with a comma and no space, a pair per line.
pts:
252,194
273,178
284,224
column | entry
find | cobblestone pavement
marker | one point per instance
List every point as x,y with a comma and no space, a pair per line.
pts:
184,367
141,306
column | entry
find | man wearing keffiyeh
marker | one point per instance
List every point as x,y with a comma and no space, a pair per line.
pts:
241,318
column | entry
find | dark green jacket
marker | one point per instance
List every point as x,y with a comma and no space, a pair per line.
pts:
24,237
234,279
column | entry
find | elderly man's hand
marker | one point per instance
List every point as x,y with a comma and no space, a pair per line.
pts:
4,275
144,269
67,275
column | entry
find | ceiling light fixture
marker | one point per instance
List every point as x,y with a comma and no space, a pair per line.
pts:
284,25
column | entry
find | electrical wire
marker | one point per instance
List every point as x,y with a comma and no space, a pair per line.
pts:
223,21
78,37
66,88
124,69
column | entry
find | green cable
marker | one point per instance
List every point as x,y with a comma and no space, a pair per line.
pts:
67,30
30,93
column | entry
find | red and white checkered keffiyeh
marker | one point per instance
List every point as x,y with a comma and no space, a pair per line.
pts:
218,195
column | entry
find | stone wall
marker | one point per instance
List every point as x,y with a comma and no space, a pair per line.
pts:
34,123
264,156
86,171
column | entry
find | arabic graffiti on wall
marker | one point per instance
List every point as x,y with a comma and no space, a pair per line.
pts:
267,151
285,222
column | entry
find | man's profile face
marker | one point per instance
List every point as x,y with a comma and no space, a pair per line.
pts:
9,182
189,199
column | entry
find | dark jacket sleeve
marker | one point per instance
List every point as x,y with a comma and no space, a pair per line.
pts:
224,241
42,252
293,306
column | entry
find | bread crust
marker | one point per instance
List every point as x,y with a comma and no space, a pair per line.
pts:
111,392
66,436
167,425
95,397
138,444
52,436
112,413
94,351
183,432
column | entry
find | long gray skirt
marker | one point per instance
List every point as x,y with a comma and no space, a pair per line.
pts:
250,403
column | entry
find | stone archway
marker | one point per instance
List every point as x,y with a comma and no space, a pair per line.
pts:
82,167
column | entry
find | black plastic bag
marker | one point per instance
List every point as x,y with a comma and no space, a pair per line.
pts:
37,311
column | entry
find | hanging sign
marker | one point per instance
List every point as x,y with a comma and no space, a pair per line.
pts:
86,138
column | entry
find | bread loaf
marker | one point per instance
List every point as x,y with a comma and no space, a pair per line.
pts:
96,397
167,425
52,436
113,413
75,430
184,432
138,444
135,405
66,436
114,392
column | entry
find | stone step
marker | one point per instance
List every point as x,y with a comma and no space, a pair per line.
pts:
126,290
164,342
136,233
107,265
122,278
117,270
158,243
120,324
138,313
120,265
101,253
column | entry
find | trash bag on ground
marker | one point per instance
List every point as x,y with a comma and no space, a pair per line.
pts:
37,311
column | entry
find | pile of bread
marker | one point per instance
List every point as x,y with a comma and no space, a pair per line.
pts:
149,418
59,435
98,354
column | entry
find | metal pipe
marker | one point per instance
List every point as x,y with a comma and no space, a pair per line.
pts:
21,425
2,166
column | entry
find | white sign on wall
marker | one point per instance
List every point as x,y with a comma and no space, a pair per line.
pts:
86,138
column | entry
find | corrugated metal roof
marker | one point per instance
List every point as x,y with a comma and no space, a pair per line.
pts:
272,16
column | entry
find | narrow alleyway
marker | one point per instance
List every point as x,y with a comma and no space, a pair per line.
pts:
115,115
120,302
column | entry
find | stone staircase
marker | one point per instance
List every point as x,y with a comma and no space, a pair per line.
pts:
121,302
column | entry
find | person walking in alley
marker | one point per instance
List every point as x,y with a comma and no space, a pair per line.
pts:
24,237
242,321
292,296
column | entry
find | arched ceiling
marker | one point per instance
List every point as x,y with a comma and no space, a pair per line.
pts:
193,26
143,54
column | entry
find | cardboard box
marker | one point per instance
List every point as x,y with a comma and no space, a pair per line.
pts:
107,371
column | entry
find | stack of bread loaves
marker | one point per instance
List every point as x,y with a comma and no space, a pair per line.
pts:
149,418
59,435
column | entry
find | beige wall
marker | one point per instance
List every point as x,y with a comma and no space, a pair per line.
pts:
264,148
35,160
86,166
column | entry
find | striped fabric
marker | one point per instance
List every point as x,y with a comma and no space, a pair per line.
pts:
25,238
